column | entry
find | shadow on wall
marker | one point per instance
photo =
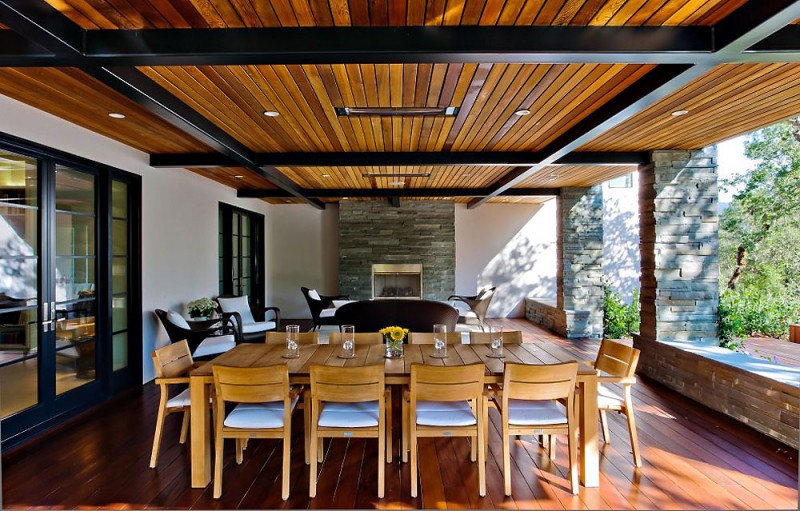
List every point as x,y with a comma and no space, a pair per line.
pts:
621,260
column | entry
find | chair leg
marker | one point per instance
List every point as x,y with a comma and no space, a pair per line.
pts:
552,448
383,451
239,451
184,427
506,458
604,425
485,429
412,440
312,469
307,424
404,429
473,448
218,466
573,459
637,457
388,427
162,412
287,459
479,443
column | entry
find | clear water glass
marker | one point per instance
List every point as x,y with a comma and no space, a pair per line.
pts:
440,340
348,341
497,342
292,341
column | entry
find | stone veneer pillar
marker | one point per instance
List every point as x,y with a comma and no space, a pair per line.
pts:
580,260
679,244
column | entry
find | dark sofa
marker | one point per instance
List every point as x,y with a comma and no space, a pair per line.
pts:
416,315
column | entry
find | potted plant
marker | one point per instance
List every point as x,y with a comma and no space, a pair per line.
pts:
201,308
394,337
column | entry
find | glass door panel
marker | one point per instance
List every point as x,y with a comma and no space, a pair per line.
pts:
120,261
75,279
19,286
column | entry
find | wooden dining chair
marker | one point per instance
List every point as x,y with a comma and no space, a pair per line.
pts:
264,405
509,337
347,402
447,401
617,364
280,338
427,337
172,363
529,405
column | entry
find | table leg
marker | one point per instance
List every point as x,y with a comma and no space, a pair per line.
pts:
590,457
201,429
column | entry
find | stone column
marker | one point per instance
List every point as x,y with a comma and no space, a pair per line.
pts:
678,239
580,260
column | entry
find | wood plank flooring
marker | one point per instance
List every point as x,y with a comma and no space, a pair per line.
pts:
694,458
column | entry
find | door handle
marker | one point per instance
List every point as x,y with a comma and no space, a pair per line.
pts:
48,325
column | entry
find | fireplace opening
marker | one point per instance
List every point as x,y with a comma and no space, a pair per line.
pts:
397,281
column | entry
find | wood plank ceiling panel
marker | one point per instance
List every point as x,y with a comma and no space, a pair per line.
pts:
72,95
237,178
137,14
557,176
730,100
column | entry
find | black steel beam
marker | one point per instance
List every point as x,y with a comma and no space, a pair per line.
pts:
334,193
365,159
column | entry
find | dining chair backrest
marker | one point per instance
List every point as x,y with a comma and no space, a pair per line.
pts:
347,384
280,338
360,338
509,337
172,360
427,337
616,359
539,382
447,383
251,384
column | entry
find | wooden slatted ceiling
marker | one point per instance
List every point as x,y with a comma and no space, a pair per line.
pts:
74,96
558,176
351,177
730,100
136,14
235,97
227,177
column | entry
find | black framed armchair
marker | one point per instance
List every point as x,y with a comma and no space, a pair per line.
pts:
205,338
478,305
250,321
322,307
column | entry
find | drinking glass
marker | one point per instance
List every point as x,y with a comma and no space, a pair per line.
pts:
440,341
292,341
496,345
348,341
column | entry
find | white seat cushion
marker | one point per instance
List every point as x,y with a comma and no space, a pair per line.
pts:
339,303
327,313
469,315
214,345
177,320
349,415
608,398
312,293
181,399
444,413
257,415
238,304
522,412
260,326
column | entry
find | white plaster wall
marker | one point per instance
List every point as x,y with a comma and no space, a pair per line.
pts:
302,250
621,262
511,246
179,215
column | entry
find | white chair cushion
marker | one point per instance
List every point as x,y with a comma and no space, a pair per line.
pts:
257,415
237,304
214,345
468,315
327,313
314,295
608,398
349,415
177,320
181,399
444,413
339,303
522,412
260,326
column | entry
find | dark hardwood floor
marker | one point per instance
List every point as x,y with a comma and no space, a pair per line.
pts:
694,458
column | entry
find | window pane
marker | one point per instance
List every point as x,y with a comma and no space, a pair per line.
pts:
75,353
245,225
119,237
119,199
74,234
19,386
18,230
246,247
119,275
245,267
120,349
74,190
18,329
18,183
119,313
235,224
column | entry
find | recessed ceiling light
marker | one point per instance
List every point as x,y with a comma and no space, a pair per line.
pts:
397,183
271,113
466,174
345,198
238,176
325,175
677,113
522,112
116,115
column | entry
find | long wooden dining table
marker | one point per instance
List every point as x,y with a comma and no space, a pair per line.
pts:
397,372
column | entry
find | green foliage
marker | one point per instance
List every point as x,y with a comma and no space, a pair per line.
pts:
619,319
747,311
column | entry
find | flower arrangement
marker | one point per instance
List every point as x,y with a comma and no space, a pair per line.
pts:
394,336
201,307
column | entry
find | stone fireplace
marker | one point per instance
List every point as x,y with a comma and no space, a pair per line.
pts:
397,281
376,233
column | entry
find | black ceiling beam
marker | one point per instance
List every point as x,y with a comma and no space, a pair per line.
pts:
749,24
46,26
334,193
363,159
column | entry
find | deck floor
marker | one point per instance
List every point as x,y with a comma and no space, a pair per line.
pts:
694,458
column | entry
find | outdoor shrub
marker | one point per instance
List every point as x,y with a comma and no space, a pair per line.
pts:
619,319
745,312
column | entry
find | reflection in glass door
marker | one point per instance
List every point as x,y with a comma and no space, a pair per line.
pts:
19,289
75,279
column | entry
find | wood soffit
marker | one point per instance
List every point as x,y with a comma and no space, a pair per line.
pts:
600,79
